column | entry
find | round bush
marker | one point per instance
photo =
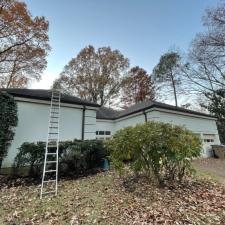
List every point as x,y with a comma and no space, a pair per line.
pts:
163,151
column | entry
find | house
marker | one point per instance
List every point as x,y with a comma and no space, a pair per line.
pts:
82,119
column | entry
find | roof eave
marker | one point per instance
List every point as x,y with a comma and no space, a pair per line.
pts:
161,107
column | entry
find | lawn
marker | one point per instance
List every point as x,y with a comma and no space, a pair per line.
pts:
211,168
106,198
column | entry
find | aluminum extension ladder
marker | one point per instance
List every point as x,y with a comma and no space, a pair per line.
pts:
49,183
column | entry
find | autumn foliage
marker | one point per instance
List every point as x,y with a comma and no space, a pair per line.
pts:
23,44
137,87
94,74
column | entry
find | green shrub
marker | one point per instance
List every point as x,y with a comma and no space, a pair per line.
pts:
163,151
30,155
75,157
82,156
8,121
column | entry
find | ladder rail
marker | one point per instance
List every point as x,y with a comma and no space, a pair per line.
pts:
57,151
49,138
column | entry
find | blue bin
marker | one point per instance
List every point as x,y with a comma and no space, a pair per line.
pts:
105,164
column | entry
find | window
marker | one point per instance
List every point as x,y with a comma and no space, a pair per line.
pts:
103,135
208,138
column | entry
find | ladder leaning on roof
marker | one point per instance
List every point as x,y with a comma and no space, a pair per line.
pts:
49,183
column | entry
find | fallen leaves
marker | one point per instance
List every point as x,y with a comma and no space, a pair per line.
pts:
107,199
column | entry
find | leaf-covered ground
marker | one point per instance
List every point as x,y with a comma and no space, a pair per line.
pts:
107,199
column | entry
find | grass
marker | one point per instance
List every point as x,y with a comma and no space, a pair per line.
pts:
210,168
106,198
209,176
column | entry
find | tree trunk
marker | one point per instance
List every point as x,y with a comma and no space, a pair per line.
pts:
1,163
174,88
11,75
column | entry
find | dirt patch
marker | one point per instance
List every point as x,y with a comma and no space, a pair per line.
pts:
213,166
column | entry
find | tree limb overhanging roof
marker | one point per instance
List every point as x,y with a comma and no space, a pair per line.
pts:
102,112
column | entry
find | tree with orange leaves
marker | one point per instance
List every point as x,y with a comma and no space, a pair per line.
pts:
23,44
137,87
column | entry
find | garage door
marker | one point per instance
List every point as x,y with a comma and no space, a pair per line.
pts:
208,141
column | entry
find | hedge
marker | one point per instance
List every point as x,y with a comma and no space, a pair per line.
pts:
75,157
8,122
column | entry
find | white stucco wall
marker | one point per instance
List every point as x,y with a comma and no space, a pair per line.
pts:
90,124
33,125
105,125
129,121
192,122
197,124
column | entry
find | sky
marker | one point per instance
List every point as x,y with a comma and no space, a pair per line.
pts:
142,30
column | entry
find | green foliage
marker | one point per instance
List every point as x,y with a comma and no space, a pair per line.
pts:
217,108
8,120
31,155
75,157
168,70
168,63
162,151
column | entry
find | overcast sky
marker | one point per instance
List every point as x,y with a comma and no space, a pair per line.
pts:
141,29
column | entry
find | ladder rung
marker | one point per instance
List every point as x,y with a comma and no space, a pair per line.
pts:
50,171
52,142
46,181
51,161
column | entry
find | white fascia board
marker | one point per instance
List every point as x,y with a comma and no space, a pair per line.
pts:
180,113
45,102
167,111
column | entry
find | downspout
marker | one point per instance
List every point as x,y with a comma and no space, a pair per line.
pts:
83,123
145,115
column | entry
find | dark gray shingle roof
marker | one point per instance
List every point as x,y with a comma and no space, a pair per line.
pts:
42,94
103,112
107,113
